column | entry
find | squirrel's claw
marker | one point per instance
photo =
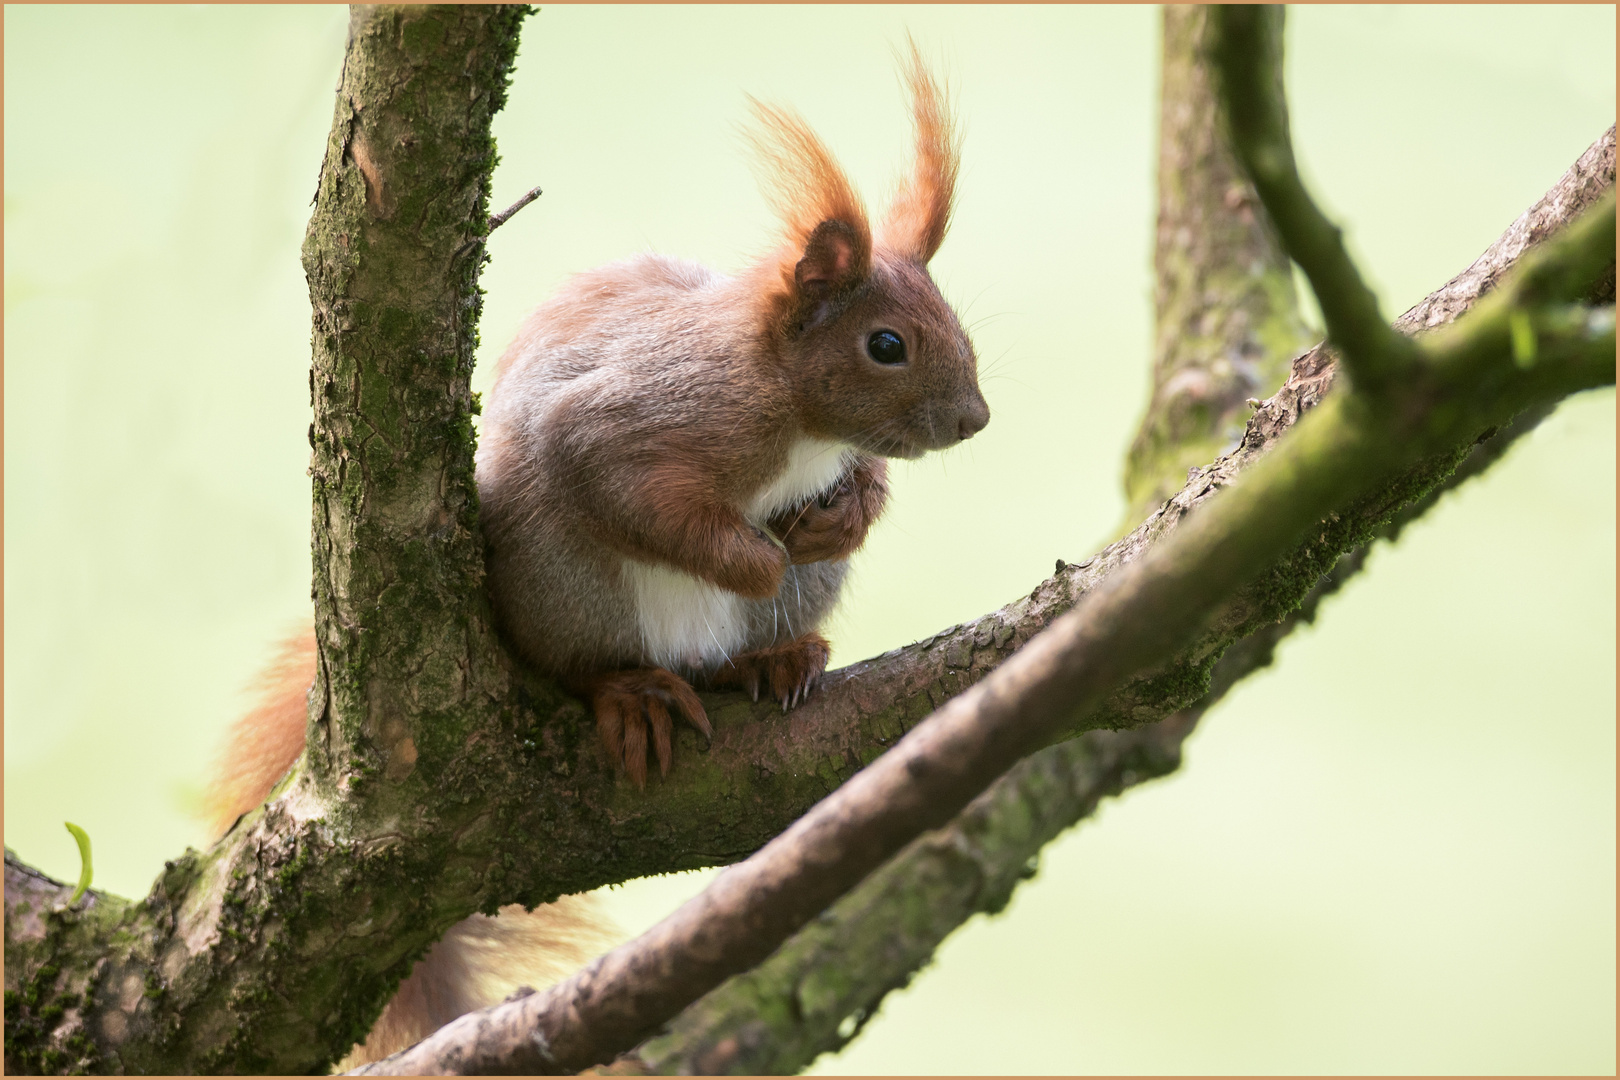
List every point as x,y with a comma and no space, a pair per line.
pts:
784,673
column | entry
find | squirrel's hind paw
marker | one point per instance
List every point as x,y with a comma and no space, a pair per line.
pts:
631,704
789,672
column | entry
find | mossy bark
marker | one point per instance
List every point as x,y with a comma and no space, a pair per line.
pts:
1226,318
392,257
817,992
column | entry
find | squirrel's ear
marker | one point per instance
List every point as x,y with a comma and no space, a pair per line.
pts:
828,241
921,212
834,257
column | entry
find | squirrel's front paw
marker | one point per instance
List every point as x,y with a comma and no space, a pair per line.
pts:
834,525
788,672
753,565
628,704
819,530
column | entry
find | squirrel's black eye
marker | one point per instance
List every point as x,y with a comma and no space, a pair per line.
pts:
885,347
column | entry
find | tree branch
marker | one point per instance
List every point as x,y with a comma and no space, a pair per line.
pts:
813,995
275,950
1247,46
816,993
497,220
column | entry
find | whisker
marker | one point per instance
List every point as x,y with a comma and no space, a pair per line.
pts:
985,320
1005,378
716,640
963,309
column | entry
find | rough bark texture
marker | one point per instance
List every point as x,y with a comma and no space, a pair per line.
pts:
1226,319
435,762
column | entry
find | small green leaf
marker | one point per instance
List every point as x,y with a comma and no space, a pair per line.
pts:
81,838
1524,339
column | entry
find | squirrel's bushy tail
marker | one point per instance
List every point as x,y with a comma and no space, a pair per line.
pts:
264,742
480,960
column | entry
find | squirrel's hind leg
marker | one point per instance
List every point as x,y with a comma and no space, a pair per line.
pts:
788,671
631,704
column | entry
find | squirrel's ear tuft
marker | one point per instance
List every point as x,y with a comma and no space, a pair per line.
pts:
829,242
921,212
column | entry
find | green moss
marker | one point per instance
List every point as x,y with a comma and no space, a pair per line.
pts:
32,1014
1279,592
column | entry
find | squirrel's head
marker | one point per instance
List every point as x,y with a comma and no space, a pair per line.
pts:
879,358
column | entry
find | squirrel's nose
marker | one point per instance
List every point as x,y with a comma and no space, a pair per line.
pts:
972,419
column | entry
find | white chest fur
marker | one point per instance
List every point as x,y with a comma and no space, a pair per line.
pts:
813,466
686,622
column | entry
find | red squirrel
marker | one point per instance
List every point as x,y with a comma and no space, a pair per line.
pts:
673,470
675,465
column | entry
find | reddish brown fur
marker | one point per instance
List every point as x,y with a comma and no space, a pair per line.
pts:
921,213
807,187
629,703
264,742
700,533
666,397
576,311
674,490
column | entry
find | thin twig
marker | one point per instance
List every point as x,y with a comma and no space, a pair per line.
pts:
497,220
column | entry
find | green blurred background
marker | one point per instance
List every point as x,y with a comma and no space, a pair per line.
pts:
1394,851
